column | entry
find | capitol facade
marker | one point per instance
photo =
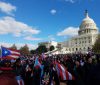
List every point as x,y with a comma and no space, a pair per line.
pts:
82,43
85,39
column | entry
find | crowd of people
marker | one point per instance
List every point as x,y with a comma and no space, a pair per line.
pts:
40,70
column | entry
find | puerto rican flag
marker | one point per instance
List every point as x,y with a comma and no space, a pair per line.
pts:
37,63
5,52
63,73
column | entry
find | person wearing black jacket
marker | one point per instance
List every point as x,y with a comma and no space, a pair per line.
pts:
78,73
36,76
88,67
94,75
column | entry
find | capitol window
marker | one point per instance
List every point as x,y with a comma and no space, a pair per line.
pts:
84,37
89,41
73,49
84,48
89,37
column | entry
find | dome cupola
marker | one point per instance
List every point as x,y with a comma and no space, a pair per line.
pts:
88,25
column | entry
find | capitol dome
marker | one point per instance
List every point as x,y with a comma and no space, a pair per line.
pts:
88,25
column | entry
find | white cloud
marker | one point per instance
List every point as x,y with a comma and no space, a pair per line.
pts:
7,8
53,11
9,25
51,37
32,38
31,46
69,31
71,1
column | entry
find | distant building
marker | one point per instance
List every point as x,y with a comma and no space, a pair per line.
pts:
48,44
86,38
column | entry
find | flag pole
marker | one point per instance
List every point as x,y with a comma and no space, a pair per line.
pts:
1,52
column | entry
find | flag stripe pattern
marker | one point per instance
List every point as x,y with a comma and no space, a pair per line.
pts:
10,52
14,52
63,73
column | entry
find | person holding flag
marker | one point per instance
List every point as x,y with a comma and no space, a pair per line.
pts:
37,69
63,74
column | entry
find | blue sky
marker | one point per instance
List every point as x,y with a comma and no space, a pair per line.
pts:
33,21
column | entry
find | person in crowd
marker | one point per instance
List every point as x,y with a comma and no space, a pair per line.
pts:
7,80
19,71
36,76
78,73
7,76
94,76
55,75
28,75
88,67
84,68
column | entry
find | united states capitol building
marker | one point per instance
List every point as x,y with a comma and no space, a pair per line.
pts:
86,38
84,41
